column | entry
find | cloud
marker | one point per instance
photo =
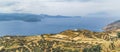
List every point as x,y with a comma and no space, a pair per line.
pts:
69,0
61,7
7,4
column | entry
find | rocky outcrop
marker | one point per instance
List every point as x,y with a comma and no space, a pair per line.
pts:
113,26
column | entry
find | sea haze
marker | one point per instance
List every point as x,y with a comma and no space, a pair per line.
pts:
30,24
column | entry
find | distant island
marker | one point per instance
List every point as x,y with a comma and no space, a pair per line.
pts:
27,17
20,17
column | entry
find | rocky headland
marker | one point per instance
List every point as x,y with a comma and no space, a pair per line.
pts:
115,26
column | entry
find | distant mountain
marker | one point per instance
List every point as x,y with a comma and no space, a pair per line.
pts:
26,17
113,26
58,16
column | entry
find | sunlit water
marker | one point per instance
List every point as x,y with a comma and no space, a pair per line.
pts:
52,25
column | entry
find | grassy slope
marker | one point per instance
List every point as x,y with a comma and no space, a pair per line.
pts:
67,41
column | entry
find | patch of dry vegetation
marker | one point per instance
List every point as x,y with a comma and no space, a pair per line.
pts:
67,41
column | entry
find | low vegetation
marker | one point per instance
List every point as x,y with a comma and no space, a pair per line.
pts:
118,34
66,41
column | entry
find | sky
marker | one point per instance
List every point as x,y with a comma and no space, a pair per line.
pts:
62,7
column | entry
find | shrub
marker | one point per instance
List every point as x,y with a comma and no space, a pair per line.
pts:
118,35
96,48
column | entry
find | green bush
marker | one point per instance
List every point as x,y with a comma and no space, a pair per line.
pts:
96,48
118,35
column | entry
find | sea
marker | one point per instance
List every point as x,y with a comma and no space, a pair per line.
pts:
52,25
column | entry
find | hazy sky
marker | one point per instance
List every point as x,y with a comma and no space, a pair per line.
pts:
62,7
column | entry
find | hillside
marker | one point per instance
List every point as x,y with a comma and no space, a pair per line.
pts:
113,26
66,41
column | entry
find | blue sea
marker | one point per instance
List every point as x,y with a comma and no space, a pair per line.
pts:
52,25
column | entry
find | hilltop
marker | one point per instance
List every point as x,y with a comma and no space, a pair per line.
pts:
66,41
